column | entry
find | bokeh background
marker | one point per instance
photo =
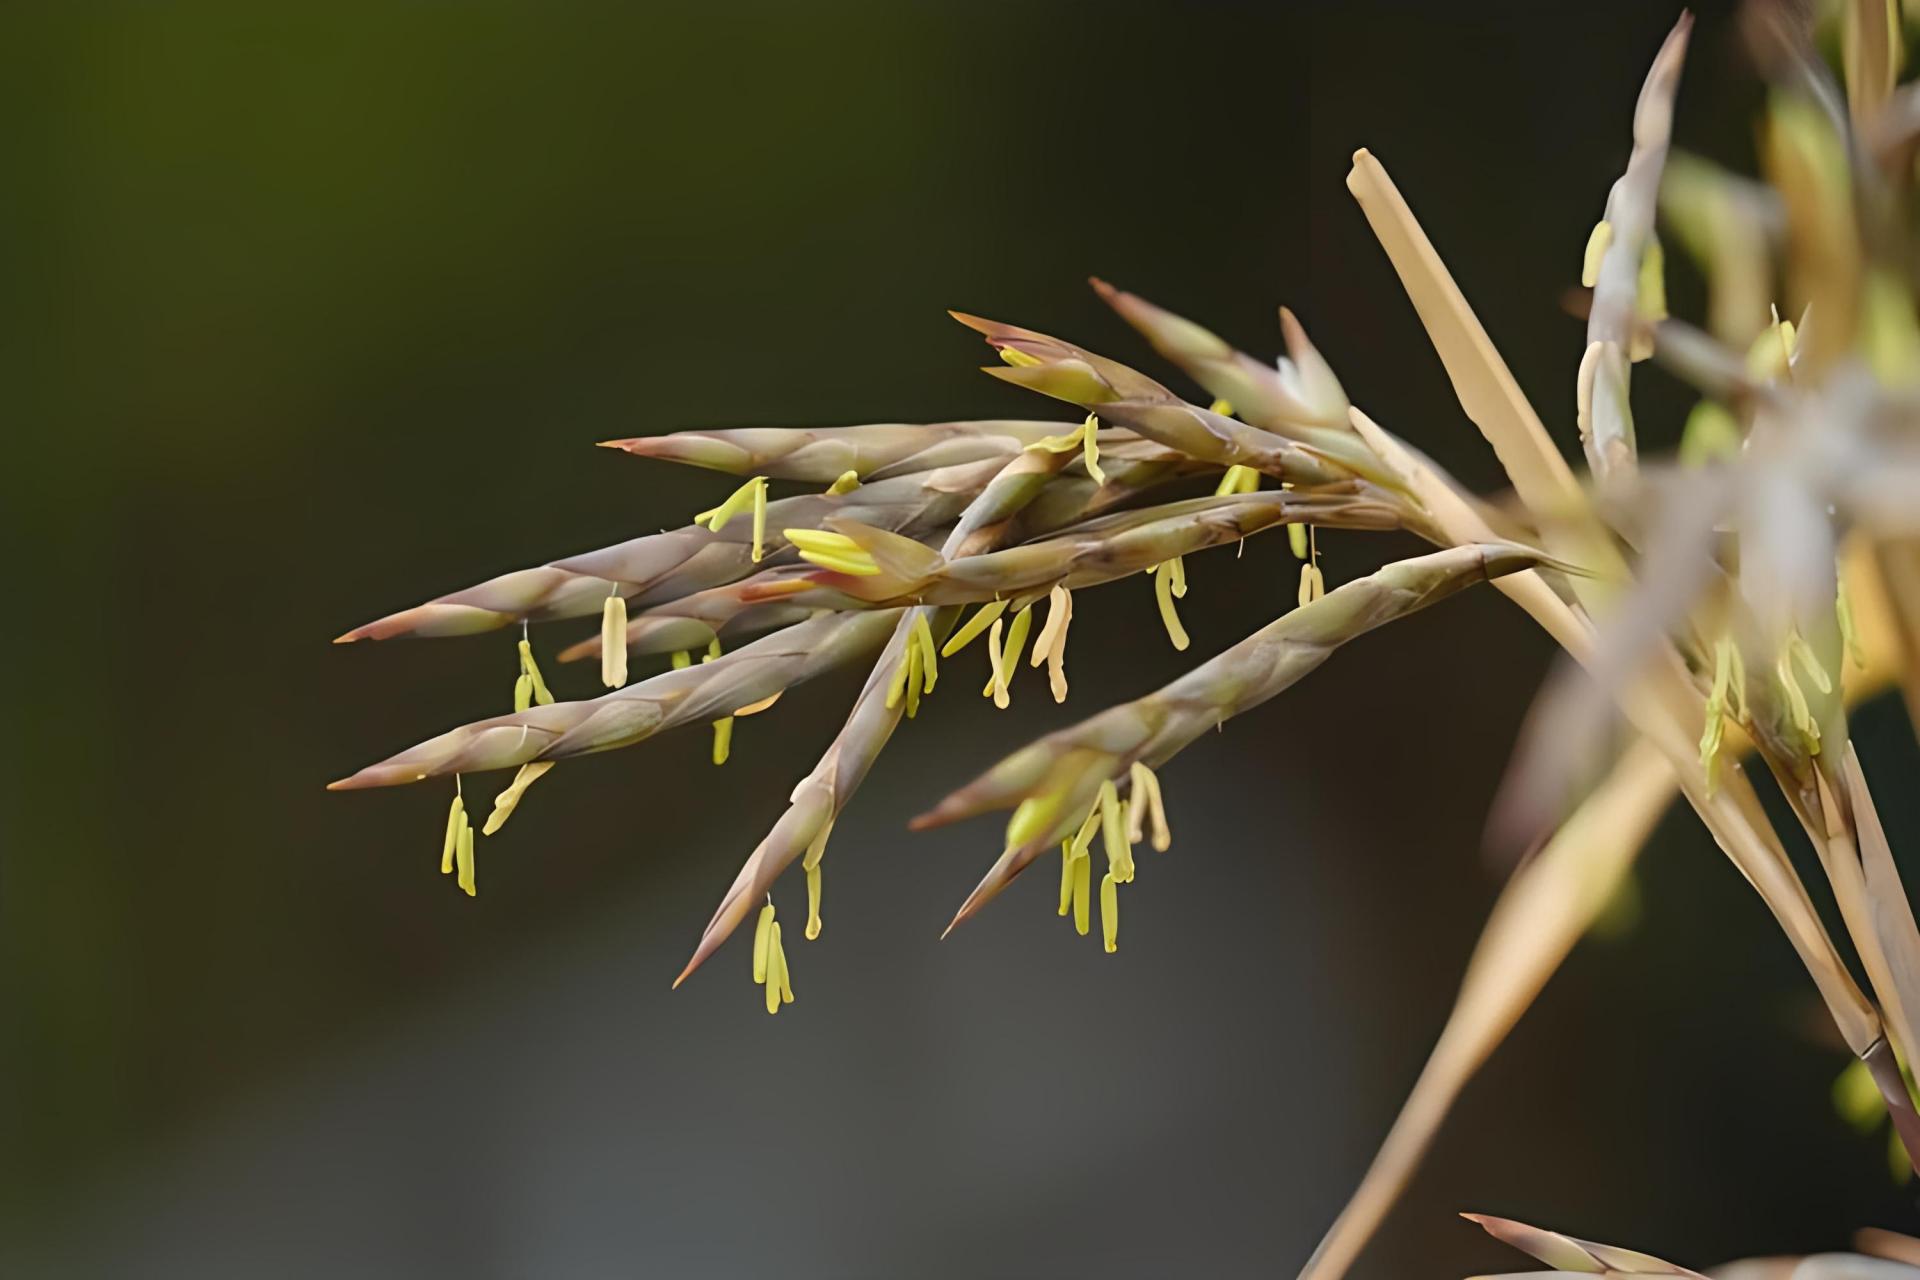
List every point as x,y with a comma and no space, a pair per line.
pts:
309,311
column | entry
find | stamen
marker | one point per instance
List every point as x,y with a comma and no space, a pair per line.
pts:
762,938
750,496
463,857
1238,479
979,622
456,813
1066,877
1849,635
813,902
929,654
1113,832
531,669
1082,884
1146,796
1221,406
1051,647
1018,358
1297,540
1312,584
1809,662
522,693
509,799
835,551
682,659
1110,913
755,708
1163,593
1598,242
847,483
1090,448
722,729
1008,660
613,642
913,678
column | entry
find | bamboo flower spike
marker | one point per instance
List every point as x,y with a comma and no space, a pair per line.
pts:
1775,580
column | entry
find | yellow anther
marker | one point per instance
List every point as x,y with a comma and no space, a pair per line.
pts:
1711,433
750,496
847,483
1799,714
1063,443
509,799
1221,406
1238,479
778,959
613,642
1726,678
463,857
1857,1098
755,708
1849,634
762,940
531,670
1090,448
912,664
1113,832
1081,845
779,982
897,682
1066,876
1082,883
681,659
722,729
1006,660
1313,584
456,814
1018,358
1771,355
1889,334
1163,593
1651,300
835,551
813,902
817,849
1051,647
929,653
1110,913
1147,804
1297,540
1597,244
1032,818
1809,662
522,693
983,617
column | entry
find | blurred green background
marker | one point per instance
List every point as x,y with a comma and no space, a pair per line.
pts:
311,311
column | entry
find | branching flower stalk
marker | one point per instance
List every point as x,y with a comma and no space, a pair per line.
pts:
1725,605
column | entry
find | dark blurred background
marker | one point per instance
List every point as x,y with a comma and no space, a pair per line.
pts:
311,311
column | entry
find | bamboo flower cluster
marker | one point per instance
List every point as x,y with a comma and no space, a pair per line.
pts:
1721,607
